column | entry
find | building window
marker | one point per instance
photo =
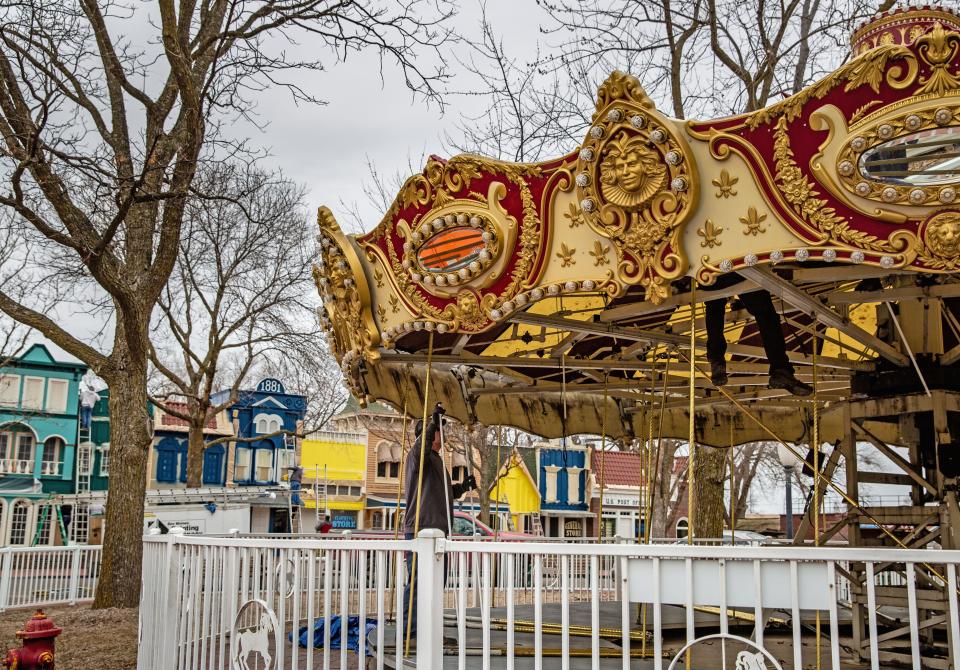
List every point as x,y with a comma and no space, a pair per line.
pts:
52,453
85,458
683,527
105,460
9,390
25,451
80,524
264,465
33,392
573,485
267,423
18,523
5,450
57,395
241,469
167,461
213,465
550,477
388,460
286,458
459,473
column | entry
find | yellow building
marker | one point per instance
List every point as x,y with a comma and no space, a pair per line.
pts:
334,477
517,488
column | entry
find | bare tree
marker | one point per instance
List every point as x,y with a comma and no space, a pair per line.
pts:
239,293
101,138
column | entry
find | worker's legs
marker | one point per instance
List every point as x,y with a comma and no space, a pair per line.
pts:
716,340
760,306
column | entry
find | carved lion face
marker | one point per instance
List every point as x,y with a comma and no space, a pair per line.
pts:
943,235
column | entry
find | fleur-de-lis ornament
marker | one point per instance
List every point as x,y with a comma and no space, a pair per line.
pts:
566,255
599,254
574,215
710,232
752,222
725,184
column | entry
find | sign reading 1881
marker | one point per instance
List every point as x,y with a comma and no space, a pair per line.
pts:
271,386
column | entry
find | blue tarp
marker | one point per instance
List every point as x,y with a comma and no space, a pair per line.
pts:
353,633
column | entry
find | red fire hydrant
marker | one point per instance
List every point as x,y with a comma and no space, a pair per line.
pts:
37,651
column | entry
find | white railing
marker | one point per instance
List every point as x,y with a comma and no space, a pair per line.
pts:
207,600
41,576
51,467
16,466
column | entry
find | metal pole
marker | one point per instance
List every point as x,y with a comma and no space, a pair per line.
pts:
787,471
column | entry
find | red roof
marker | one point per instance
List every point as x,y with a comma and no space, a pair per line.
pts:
616,468
167,419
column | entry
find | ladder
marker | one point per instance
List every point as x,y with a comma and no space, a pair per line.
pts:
537,526
294,512
84,462
42,525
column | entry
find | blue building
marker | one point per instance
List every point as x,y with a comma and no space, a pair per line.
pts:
261,458
39,434
168,467
563,476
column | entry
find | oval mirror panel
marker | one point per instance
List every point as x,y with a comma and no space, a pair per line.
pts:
451,249
925,158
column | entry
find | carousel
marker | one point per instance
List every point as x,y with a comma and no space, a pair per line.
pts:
789,275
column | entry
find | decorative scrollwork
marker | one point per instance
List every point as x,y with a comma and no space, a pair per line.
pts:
637,183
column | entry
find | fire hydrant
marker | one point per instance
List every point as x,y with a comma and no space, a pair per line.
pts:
37,651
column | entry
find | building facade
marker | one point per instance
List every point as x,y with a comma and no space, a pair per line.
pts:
39,457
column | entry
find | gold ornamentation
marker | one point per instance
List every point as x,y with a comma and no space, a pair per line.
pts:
574,215
630,172
752,222
861,111
710,232
378,277
637,185
868,69
941,238
887,130
725,184
799,192
452,178
599,254
394,303
381,312
354,336
566,255
938,48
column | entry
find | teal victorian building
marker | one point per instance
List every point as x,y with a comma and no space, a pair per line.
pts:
39,437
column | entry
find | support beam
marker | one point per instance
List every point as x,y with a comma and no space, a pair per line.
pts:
821,485
893,294
679,341
638,309
897,459
797,297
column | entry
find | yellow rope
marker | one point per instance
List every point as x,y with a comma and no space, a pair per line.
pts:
416,522
733,489
603,452
403,458
690,441
496,526
816,483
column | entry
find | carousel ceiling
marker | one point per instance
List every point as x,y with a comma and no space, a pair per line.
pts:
556,297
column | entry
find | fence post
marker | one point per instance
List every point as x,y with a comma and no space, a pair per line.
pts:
430,560
74,573
6,570
170,603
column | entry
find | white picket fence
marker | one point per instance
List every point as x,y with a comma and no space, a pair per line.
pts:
41,576
208,602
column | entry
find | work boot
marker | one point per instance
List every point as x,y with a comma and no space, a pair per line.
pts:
785,379
718,373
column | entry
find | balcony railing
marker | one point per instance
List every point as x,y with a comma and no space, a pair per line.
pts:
16,466
51,468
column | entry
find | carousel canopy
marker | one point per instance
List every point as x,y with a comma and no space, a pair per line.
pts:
558,297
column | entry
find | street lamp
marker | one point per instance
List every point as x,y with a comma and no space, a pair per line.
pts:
789,462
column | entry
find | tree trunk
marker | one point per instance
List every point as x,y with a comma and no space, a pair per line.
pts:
195,448
130,437
710,467
664,512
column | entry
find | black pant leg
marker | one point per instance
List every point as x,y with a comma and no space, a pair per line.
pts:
760,306
716,341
